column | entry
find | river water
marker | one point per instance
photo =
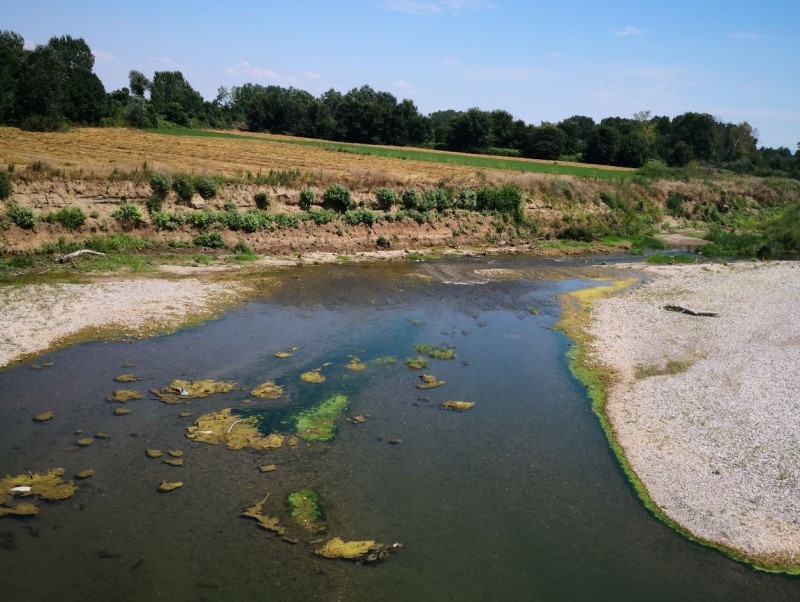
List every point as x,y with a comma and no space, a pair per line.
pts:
518,498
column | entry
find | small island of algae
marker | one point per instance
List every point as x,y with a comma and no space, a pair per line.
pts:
236,432
267,390
179,391
319,422
305,507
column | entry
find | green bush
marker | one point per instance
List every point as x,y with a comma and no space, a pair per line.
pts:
128,215
322,216
361,216
410,199
387,198
201,219
71,218
160,184
785,229
467,199
210,240
165,221
307,198
675,204
21,216
507,200
262,200
287,220
206,187
5,186
338,198
229,206
242,248
153,204
116,243
183,187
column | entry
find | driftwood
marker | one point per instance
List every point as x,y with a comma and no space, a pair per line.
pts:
70,256
691,312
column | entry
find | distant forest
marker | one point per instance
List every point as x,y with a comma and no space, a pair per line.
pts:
54,86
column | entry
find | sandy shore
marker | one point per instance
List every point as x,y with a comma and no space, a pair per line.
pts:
36,317
707,409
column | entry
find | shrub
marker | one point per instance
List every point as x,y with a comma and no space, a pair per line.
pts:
387,198
183,187
410,199
201,219
338,198
307,198
21,216
287,220
229,206
128,215
323,216
507,199
71,218
5,186
206,187
467,199
361,216
262,200
165,221
383,242
160,185
242,248
252,221
210,240
675,204
153,204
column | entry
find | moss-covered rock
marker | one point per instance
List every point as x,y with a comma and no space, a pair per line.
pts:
458,406
267,390
178,391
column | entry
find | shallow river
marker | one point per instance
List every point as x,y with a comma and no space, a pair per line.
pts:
518,498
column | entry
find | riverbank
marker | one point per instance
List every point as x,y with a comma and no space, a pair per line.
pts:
704,409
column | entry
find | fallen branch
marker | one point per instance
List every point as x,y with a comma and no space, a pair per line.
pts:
70,256
691,312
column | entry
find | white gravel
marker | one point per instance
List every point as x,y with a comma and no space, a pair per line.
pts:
718,445
35,317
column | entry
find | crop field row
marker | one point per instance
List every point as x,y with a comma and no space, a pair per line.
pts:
99,151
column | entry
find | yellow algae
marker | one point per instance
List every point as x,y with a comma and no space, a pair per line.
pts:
429,382
169,486
268,468
173,461
363,551
270,523
44,416
185,414
360,419
313,376
84,442
84,474
101,435
154,453
267,390
126,378
22,509
459,406
48,485
234,431
121,411
292,441
179,391
175,453
123,395
356,365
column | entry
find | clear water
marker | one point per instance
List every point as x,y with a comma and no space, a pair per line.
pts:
517,499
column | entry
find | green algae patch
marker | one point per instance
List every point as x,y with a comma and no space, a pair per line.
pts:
270,523
126,378
44,416
356,365
179,391
84,474
429,381
305,507
121,411
388,360
313,376
234,431
416,363
267,390
124,395
458,406
437,353
46,485
22,509
319,422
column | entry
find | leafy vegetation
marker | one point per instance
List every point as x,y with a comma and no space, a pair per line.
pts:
5,186
21,216
160,184
307,198
338,198
71,218
129,215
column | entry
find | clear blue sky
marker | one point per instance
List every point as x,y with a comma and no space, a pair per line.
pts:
738,60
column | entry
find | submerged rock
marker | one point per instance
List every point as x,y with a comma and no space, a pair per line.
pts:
179,391
234,431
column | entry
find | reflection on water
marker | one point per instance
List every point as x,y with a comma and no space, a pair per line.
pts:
518,498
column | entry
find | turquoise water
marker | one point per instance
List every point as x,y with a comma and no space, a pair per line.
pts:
516,499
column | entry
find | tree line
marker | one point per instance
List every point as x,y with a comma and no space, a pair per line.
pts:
54,85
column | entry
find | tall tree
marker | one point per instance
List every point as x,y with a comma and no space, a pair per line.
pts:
174,99
139,83
602,145
471,132
11,55
698,131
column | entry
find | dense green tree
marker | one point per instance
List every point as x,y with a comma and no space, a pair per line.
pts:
602,145
139,83
11,56
698,131
41,88
633,149
577,128
545,142
174,99
471,132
